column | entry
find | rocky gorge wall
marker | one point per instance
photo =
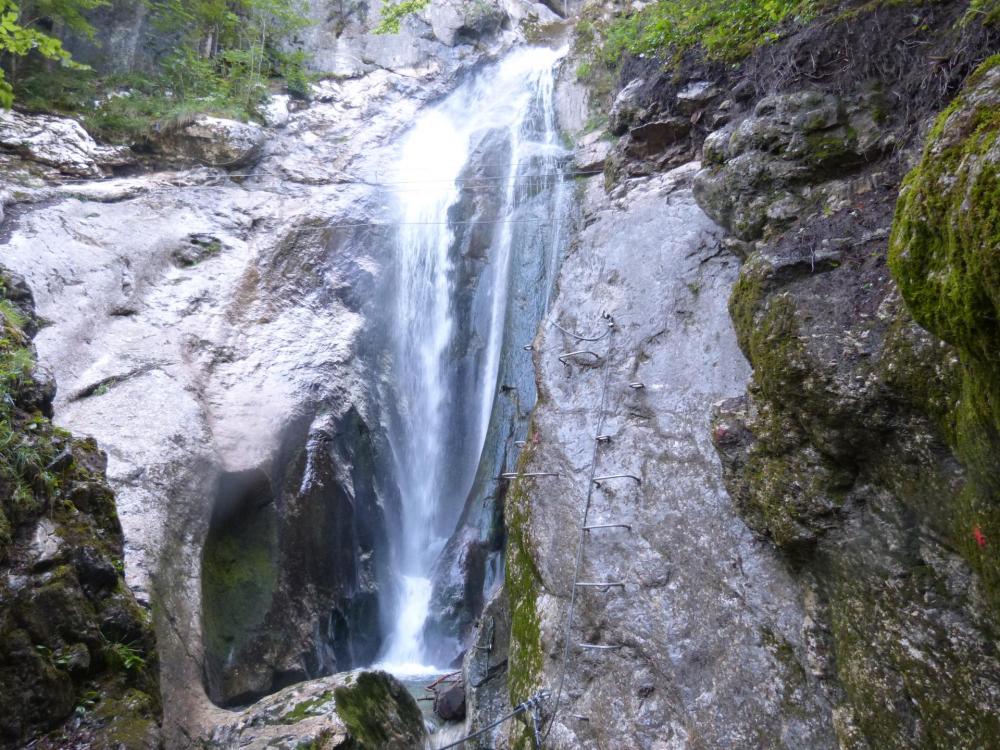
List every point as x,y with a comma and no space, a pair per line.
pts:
860,460
800,378
214,333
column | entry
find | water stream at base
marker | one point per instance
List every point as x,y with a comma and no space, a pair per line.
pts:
495,134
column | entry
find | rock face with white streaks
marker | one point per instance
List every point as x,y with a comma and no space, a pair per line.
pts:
58,142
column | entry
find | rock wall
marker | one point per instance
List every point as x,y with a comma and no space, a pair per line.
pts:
701,642
78,663
217,333
856,520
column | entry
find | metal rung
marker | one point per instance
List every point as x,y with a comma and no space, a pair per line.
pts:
528,347
608,526
579,353
578,717
603,438
515,475
520,443
598,646
633,477
600,584
636,386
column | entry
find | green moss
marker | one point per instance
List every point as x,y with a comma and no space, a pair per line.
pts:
307,708
890,658
945,256
239,576
831,148
376,709
522,582
746,300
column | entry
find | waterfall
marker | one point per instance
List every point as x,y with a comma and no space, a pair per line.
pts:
478,182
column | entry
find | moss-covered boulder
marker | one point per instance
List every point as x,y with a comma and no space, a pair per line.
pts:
945,255
356,710
77,653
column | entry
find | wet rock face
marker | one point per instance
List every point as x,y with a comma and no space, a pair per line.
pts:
699,650
194,323
292,567
78,664
364,710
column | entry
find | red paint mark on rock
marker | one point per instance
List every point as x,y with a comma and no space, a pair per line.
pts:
977,534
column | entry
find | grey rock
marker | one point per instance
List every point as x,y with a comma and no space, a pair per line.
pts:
449,704
360,709
213,141
195,249
276,111
702,649
696,95
47,547
58,142
651,138
625,107
763,171
592,153
455,22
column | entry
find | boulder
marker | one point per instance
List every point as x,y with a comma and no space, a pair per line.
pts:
276,111
213,141
651,138
625,107
364,710
762,172
58,142
696,95
449,704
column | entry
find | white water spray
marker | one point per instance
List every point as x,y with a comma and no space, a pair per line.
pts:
436,441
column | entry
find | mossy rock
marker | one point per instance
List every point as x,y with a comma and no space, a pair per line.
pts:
522,582
64,603
379,712
945,256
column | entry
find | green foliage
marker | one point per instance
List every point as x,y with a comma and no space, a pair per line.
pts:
225,55
985,11
124,656
396,12
726,30
20,35
228,48
24,449
292,67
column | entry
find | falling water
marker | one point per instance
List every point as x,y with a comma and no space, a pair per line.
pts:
495,134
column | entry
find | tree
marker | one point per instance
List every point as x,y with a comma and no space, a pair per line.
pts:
230,45
21,33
